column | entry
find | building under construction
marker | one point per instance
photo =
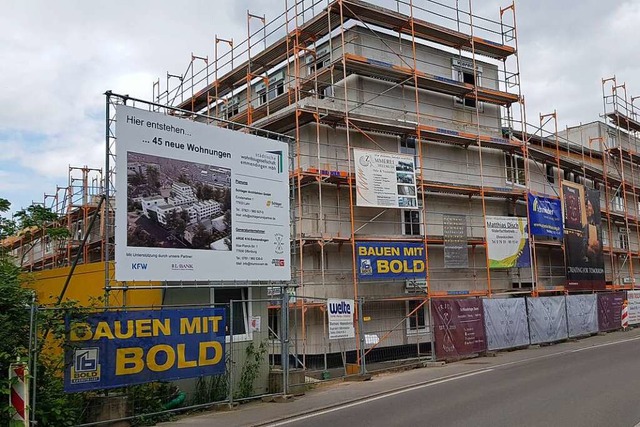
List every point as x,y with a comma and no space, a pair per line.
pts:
431,81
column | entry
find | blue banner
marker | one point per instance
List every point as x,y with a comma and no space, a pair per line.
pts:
115,349
545,215
390,260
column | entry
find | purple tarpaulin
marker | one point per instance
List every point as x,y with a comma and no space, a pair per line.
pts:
458,327
610,310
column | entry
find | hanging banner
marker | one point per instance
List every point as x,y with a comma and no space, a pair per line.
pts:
633,297
583,237
385,180
545,214
582,312
458,327
547,319
610,310
505,321
340,313
507,242
390,260
116,348
454,231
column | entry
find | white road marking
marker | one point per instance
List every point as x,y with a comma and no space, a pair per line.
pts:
373,399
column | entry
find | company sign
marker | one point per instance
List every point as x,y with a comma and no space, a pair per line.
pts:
545,214
633,297
198,202
115,349
507,242
340,313
458,327
385,180
390,260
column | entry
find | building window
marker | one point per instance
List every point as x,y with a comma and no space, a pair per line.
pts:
623,239
514,166
617,204
241,310
605,234
409,145
411,224
551,176
463,72
418,320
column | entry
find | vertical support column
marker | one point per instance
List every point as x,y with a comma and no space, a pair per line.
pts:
284,338
231,361
363,369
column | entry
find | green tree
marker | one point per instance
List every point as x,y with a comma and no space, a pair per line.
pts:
36,223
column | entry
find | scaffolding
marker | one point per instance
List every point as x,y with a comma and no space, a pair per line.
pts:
432,80
74,204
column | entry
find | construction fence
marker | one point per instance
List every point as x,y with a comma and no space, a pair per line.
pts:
143,364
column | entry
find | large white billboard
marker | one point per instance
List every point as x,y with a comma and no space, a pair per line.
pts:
385,180
198,202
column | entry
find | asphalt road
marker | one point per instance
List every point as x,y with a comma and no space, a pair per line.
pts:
595,386
594,381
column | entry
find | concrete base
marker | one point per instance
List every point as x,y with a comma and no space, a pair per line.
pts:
105,408
297,382
358,378
281,398
436,364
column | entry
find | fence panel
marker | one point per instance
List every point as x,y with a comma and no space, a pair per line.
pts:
506,324
547,319
396,331
582,314
459,327
610,310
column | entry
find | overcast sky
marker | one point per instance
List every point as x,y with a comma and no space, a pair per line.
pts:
58,58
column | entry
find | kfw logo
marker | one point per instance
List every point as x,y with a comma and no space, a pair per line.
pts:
138,266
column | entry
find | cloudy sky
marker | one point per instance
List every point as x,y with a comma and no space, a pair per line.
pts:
58,58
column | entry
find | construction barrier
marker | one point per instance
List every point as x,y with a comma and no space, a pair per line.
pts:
582,314
505,321
19,394
547,319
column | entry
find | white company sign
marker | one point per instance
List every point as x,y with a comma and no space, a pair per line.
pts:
340,313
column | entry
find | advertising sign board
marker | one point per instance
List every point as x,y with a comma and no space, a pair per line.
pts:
456,250
458,327
390,260
340,313
583,237
508,242
385,180
115,349
634,307
545,214
198,202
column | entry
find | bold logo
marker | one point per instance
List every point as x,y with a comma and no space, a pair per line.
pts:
279,243
278,262
86,365
280,161
365,267
138,266
182,267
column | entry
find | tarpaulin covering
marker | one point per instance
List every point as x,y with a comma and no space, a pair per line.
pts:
610,310
583,314
459,327
547,319
505,323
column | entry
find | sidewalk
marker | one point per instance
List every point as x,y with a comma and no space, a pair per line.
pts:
337,393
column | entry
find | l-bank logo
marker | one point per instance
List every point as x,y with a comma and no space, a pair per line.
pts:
279,161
